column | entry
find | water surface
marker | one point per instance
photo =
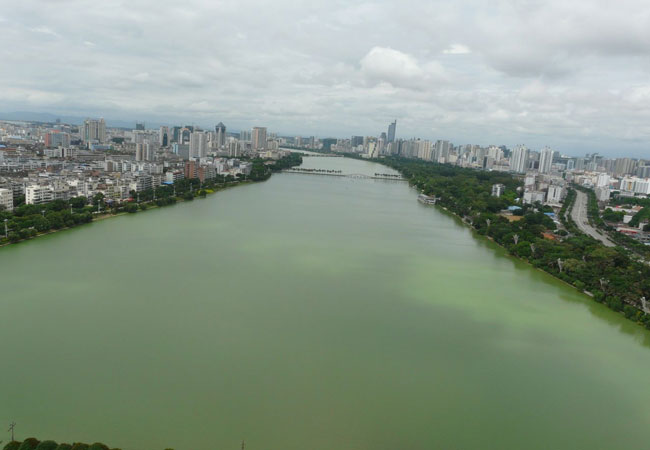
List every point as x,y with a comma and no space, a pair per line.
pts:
308,312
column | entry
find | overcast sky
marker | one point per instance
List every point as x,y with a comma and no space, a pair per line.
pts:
568,73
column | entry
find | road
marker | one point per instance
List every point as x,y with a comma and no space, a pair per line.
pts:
579,216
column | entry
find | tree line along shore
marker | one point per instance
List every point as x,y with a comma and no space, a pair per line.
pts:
35,444
611,276
30,221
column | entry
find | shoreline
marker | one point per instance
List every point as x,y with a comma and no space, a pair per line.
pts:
588,294
150,206
507,254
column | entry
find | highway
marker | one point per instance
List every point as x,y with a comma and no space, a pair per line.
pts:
580,217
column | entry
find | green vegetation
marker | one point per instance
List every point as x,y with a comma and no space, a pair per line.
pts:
610,275
639,217
35,444
631,244
28,221
291,160
609,215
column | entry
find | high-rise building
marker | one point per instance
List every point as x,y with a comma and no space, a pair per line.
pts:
198,144
245,135
139,126
57,138
356,141
164,136
144,151
234,149
148,151
441,151
258,138
176,134
391,131
93,130
327,144
624,166
519,159
184,136
220,128
139,152
546,160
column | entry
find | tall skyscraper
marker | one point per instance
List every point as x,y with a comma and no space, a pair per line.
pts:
198,144
220,128
148,151
624,166
184,136
519,159
94,130
258,138
164,136
245,135
546,160
139,152
441,151
391,131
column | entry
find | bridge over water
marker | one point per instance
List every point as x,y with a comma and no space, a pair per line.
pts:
334,173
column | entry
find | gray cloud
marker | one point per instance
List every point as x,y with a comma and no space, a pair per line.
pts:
569,74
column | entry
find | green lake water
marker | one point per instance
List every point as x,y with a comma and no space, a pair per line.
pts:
308,312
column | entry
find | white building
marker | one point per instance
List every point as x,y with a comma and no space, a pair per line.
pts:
94,130
602,193
7,199
531,197
35,194
519,159
555,194
198,144
602,180
258,137
498,190
546,160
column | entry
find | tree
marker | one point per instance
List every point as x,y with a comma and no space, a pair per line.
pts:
98,446
78,202
131,208
79,446
47,445
98,199
29,444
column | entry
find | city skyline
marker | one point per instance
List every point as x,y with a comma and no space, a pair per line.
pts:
469,73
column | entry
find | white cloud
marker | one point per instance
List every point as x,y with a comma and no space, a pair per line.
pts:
457,49
45,30
399,69
570,74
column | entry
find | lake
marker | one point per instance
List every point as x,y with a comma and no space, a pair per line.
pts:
308,312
